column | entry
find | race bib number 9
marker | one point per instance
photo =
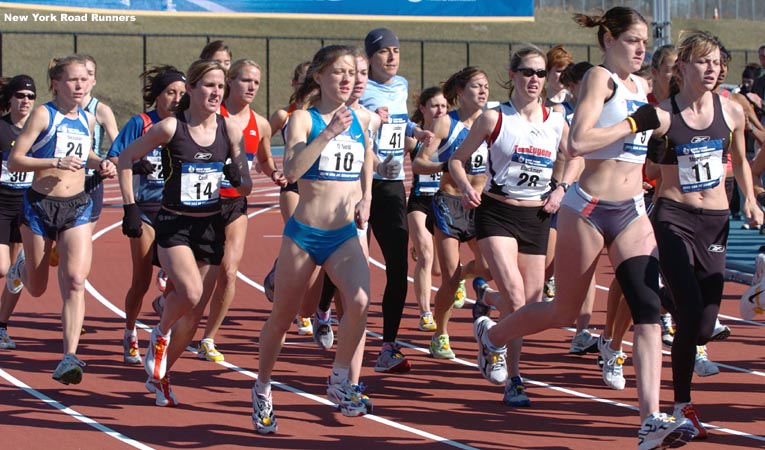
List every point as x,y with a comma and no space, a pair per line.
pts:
477,162
200,183
699,165
636,144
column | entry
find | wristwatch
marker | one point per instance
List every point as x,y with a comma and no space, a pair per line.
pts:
565,186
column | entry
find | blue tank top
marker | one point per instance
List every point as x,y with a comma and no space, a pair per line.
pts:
147,188
63,136
343,157
457,133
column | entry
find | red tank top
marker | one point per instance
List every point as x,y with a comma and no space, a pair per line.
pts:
251,141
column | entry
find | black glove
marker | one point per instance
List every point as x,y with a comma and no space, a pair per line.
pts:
131,223
232,174
645,118
143,167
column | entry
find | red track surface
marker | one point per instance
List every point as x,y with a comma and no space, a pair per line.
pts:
439,404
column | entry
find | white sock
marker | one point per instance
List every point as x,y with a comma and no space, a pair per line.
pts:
263,388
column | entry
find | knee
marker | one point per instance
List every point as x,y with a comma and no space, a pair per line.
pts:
192,293
639,280
76,282
4,266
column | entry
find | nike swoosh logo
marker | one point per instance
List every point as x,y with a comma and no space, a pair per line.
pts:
378,38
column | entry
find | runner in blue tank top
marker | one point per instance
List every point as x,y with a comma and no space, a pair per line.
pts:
56,208
328,154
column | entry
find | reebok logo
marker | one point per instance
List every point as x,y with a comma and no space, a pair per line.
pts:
203,156
716,248
696,139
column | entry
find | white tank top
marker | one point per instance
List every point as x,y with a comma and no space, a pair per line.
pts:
622,103
522,154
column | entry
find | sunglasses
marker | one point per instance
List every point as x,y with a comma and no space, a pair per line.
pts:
528,73
20,95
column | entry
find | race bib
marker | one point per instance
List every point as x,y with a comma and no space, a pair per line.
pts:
699,165
156,176
341,159
477,162
200,183
15,180
71,142
250,157
636,144
530,172
429,184
392,136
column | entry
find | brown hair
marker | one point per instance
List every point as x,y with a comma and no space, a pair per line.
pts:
196,71
616,21
309,91
422,100
558,56
458,81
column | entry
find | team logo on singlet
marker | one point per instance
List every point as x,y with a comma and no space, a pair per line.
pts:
203,156
696,139
715,248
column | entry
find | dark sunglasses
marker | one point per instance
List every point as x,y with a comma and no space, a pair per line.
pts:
20,95
527,72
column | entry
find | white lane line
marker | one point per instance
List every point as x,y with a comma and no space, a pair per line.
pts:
71,412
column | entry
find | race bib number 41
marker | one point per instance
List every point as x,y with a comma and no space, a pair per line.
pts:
200,183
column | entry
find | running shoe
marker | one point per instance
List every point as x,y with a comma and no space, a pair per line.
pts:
583,342
491,360
5,341
130,352
460,295
304,326
721,332
667,330
158,304
322,332
156,355
613,361
163,391
263,418
549,289
54,257
660,431
703,366
13,277
206,350
161,280
269,282
439,347
69,370
360,388
515,394
759,267
426,322
347,398
690,413
480,308
391,360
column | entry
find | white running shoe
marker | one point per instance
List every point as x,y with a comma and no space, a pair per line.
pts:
583,342
155,362
348,398
163,391
613,361
69,370
263,418
721,332
660,431
703,366
5,341
13,277
304,326
667,330
759,268
491,362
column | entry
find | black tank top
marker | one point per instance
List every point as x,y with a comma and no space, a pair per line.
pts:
680,135
193,172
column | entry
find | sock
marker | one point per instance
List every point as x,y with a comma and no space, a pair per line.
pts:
207,341
263,388
338,375
324,316
129,332
679,408
159,331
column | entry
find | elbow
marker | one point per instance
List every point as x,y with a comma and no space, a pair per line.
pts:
291,176
13,165
575,148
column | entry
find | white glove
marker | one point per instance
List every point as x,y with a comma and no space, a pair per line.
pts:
389,168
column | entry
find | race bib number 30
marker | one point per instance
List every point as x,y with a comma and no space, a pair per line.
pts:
699,165
15,180
200,183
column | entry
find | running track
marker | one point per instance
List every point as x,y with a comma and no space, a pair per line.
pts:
439,405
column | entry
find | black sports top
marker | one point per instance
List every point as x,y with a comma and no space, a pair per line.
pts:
700,155
193,172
